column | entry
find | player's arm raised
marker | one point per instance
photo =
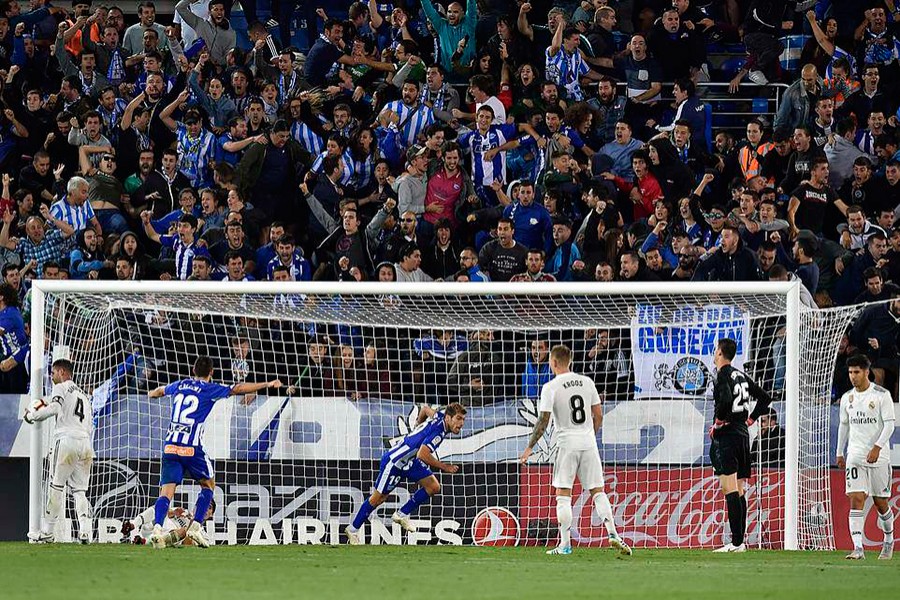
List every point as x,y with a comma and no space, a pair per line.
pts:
537,433
427,456
425,412
158,392
249,388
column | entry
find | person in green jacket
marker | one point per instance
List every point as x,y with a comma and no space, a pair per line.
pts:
459,23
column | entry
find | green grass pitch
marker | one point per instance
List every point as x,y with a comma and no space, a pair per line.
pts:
373,572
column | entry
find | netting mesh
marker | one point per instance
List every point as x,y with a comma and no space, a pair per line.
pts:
295,468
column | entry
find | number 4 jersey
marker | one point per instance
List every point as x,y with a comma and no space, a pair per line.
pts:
75,418
192,401
569,398
733,392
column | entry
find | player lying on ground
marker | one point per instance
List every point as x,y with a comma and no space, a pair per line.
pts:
867,422
72,454
570,398
175,526
413,459
729,451
192,401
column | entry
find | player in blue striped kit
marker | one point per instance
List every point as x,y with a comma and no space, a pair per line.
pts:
413,459
192,401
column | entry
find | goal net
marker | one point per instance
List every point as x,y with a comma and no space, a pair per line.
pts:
294,469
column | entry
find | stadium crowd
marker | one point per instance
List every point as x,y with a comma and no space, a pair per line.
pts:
422,141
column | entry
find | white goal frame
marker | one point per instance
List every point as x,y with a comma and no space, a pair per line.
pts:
789,290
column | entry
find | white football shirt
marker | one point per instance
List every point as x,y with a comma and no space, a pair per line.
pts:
569,398
75,418
865,414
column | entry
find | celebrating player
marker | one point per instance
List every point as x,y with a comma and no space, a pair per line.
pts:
571,398
192,401
410,459
729,451
72,454
867,421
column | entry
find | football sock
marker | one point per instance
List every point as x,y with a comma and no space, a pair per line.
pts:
144,518
83,510
733,503
564,516
55,504
203,502
362,515
856,528
604,511
417,499
886,522
744,516
161,510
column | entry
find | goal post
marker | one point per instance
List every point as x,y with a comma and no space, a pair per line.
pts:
311,459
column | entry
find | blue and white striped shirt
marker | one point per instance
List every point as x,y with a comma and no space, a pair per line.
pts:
195,156
363,171
77,216
184,255
485,172
307,138
565,70
413,125
430,433
346,171
299,267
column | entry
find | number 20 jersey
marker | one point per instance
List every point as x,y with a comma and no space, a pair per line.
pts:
569,398
192,401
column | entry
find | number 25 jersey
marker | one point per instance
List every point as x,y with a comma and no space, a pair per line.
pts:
192,401
569,398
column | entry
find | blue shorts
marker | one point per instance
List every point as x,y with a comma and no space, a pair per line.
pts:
389,476
180,460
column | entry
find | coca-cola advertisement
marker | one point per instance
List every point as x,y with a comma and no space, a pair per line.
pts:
653,508
872,534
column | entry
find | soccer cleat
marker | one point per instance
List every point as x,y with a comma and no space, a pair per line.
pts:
195,533
127,528
741,548
758,77
41,538
887,551
616,543
353,537
729,547
856,555
402,520
561,550
158,538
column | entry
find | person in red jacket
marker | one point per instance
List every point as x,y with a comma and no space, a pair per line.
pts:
644,191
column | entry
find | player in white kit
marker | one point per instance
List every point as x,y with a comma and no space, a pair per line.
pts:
867,422
72,454
573,401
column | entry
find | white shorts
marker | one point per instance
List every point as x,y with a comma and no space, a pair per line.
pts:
584,463
872,480
72,459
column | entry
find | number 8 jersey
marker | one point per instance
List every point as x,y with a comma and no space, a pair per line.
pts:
192,401
569,398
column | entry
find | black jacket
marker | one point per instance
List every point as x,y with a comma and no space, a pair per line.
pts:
740,266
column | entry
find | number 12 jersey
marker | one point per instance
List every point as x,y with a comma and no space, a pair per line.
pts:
192,401
569,398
